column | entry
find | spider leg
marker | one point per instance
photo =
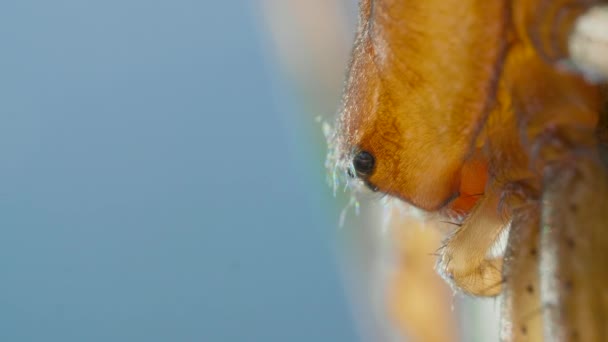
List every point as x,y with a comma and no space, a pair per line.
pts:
522,320
465,261
574,249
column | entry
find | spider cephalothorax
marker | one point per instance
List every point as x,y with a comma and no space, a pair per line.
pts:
481,110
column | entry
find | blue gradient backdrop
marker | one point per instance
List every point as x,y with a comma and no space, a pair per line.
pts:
152,186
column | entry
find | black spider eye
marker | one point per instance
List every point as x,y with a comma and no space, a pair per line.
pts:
363,162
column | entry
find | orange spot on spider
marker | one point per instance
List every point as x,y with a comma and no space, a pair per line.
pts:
473,179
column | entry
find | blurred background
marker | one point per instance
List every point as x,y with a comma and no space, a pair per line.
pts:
162,179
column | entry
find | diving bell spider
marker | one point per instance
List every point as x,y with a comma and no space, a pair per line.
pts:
493,114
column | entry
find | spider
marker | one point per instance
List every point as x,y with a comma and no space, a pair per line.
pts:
492,114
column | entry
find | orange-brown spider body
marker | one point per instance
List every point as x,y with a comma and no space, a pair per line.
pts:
467,108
